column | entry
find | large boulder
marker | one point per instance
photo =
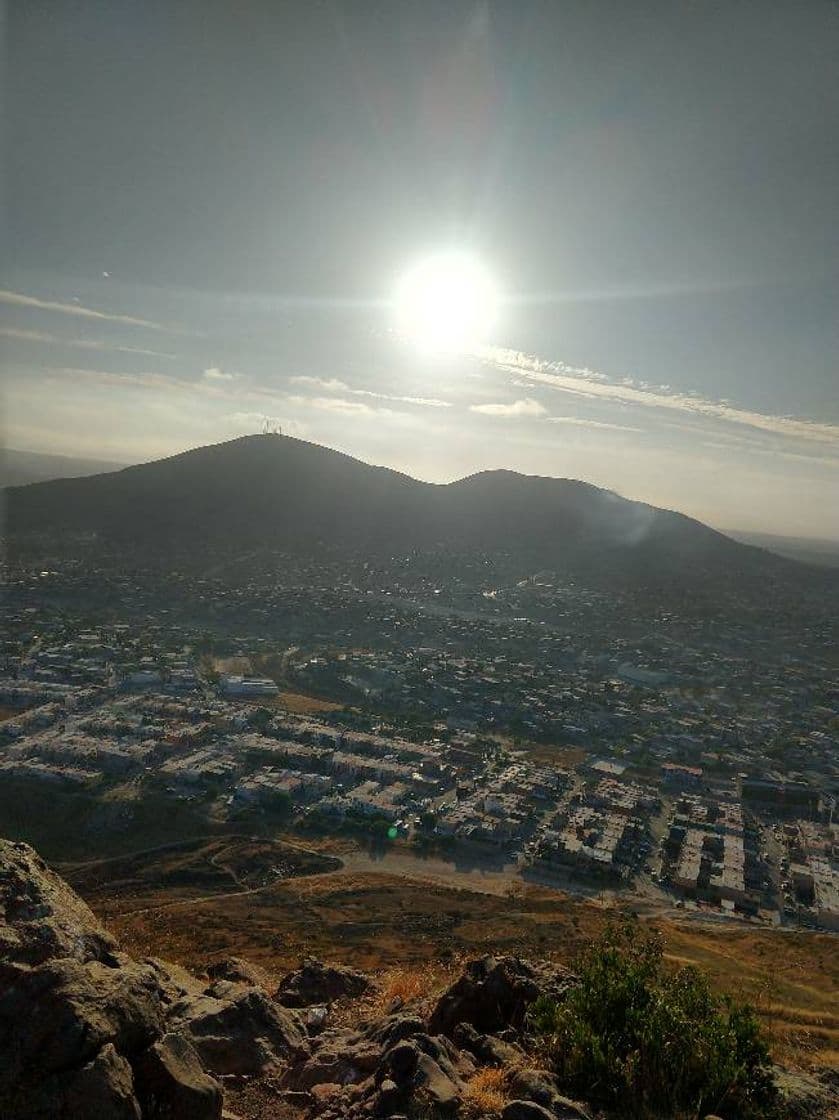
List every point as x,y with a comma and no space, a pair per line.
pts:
526,1110
238,1029
318,983
560,1108
339,1057
103,1087
58,1015
235,969
495,993
76,1015
41,917
172,1085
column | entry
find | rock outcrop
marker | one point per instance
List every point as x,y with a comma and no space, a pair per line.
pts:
238,1029
88,1033
317,983
494,994
81,1024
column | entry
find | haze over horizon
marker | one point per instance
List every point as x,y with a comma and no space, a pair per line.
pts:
209,214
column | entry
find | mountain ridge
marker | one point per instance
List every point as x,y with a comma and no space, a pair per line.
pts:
282,492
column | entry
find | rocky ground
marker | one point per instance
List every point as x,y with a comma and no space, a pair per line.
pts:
88,1033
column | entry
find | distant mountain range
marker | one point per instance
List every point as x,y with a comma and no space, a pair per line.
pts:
276,492
18,468
821,553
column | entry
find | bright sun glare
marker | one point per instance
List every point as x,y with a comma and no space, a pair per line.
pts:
446,303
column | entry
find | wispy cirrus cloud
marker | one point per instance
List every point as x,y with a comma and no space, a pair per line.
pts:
339,405
146,379
333,385
521,408
44,337
587,383
330,384
18,299
222,388
582,422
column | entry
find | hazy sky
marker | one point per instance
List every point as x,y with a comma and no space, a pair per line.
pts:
208,208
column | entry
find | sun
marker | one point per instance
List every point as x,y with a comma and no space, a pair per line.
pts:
446,303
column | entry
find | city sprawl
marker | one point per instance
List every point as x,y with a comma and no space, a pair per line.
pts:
601,743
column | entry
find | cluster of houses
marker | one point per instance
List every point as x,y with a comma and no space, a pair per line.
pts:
707,844
813,867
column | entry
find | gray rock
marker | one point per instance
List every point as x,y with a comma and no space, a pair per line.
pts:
526,1110
402,1060
392,1029
488,1049
315,983
533,1085
494,994
390,1098
103,1087
565,1109
171,1085
58,1015
239,1030
438,1088
234,969
315,1019
41,917
441,1050
341,1057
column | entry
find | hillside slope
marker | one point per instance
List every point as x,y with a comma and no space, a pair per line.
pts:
279,492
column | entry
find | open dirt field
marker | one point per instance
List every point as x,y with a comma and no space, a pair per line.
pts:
303,705
210,901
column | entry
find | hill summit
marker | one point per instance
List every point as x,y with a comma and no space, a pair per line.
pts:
271,491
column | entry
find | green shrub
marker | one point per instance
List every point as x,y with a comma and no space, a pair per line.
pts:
645,1042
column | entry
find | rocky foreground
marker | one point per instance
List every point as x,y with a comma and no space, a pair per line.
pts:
88,1033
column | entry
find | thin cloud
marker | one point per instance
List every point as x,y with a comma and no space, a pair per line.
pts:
77,343
579,421
596,386
216,374
333,385
340,405
17,299
527,407
147,379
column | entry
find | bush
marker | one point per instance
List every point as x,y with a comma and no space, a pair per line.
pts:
485,1091
645,1042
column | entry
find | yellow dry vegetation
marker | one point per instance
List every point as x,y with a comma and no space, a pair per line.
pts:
485,1092
303,705
791,978
421,983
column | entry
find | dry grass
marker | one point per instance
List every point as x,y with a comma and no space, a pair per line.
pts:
303,705
413,935
232,664
485,1092
418,987
405,985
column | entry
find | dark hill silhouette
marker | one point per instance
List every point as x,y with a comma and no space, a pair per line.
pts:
274,491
